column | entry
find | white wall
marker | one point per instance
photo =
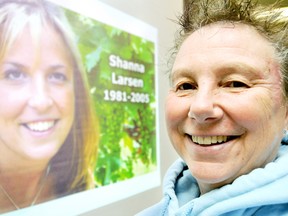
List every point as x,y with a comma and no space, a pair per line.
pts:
159,14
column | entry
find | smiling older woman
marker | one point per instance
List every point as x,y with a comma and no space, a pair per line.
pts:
229,81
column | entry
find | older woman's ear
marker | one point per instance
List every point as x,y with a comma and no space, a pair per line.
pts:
286,116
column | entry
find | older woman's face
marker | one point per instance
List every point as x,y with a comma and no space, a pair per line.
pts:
37,97
225,112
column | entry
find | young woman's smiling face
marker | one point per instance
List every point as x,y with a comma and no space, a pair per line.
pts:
225,112
37,97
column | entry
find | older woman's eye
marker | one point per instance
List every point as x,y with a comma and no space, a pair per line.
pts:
236,84
186,86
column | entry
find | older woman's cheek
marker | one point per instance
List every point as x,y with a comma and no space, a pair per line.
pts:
176,109
172,110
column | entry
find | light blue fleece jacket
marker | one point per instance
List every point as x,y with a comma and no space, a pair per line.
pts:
262,192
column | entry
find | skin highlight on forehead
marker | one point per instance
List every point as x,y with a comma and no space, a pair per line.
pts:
210,38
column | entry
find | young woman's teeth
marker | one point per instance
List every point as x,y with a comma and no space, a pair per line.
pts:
40,126
209,140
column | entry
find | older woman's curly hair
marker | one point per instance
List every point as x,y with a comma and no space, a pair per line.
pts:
269,21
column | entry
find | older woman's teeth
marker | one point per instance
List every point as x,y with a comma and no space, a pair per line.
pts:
40,126
209,140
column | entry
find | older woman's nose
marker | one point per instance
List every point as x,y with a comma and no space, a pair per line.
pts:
40,98
204,107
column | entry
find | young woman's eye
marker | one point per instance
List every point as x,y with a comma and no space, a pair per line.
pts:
237,84
57,77
15,75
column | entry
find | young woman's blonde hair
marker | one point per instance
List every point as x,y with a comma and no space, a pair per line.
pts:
73,166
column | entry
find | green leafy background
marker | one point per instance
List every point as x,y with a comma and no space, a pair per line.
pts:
128,130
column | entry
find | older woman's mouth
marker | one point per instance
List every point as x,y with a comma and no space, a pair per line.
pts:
40,126
211,140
